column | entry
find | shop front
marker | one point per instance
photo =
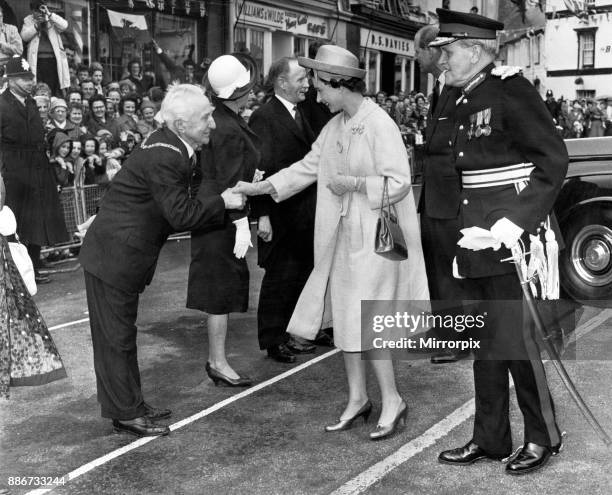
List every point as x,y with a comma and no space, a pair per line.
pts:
270,32
389,61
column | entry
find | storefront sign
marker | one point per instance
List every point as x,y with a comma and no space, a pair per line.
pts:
262,15
305,24
284,20
386,42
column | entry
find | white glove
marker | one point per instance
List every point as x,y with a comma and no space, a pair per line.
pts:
505,71
506,232
243,238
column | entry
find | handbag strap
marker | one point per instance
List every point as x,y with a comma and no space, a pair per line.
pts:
385,195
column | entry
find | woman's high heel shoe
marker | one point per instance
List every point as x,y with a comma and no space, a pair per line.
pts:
218,377
384,431
345,424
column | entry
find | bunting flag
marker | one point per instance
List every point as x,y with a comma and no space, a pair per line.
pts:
129,26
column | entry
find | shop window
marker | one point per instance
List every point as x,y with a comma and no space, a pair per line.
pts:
256,47
240,40
538,49
77,38
178,37
299,47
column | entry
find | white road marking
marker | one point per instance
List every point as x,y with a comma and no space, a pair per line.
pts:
144,440
69,324
375,473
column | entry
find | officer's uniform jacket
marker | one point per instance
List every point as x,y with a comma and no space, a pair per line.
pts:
521,131
148,199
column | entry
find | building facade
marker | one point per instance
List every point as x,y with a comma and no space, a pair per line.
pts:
579,48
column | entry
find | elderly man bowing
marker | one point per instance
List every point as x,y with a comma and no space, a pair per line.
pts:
150,198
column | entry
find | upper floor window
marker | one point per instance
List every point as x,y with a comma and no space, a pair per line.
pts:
586,49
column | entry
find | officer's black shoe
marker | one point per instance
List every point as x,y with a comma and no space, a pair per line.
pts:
141,427
155,413
281,354
300,346
531,458
468,454
449,357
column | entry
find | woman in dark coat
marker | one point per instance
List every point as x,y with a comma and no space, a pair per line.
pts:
218,275
31,190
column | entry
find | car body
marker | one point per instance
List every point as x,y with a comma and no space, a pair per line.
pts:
584,212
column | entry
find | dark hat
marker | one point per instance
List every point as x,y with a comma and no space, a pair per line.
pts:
549,92
461,25
18,67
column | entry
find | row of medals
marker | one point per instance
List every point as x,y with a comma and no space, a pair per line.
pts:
479,124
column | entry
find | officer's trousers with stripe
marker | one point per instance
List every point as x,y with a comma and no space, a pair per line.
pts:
509,347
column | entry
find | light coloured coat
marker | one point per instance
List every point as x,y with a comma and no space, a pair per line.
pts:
29,34
347,270
10,42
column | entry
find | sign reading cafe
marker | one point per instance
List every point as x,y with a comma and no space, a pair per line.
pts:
284,20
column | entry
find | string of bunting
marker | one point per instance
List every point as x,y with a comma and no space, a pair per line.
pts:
160,5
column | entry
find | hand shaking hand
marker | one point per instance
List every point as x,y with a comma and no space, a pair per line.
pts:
233,200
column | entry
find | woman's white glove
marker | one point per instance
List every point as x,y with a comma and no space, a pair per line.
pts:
243,238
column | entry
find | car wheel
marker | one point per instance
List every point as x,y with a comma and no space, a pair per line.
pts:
586,262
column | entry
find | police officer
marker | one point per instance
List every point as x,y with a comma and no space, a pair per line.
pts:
512,164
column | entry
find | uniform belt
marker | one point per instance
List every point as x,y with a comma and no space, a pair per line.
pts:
492,177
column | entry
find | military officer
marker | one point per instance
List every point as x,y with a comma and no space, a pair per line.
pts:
512,165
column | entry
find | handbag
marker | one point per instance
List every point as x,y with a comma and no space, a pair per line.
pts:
389,241
19,253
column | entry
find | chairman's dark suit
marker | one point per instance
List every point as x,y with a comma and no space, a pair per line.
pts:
439,208
288,257
147,200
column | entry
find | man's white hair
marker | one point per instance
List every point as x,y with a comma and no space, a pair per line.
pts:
490,47
181,102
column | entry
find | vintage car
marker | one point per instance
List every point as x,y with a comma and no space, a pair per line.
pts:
584,211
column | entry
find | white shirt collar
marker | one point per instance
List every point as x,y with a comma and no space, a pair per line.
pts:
288,105
442,79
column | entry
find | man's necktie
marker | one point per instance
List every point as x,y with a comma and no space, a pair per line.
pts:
299,120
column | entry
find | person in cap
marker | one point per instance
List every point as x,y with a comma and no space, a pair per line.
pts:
151,197
31,191
218,274
58,111
595,118
553,105
513,164
349,161
46,55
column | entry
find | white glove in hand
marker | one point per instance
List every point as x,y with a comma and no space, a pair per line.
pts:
243,238
506,232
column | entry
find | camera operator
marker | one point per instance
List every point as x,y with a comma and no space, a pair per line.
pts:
46,54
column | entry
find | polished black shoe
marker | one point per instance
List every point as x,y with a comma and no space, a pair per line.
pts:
325,337
281,353
39,278
345,424
384,431
156,413
141,427
297,347
531,458
448,357
219,378
465,455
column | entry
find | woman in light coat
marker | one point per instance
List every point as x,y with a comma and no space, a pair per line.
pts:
349,160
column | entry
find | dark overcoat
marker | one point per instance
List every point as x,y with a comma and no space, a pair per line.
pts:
148,199
283,144
218,281
31,190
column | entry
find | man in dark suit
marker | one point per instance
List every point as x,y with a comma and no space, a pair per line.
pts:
149,198
439,201
512,164
285,230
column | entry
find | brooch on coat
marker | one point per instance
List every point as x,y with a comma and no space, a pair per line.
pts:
259,175
479,124
357,129
339,146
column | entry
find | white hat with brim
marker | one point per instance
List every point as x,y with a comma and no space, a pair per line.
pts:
335,61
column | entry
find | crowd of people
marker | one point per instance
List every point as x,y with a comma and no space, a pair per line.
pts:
585,117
